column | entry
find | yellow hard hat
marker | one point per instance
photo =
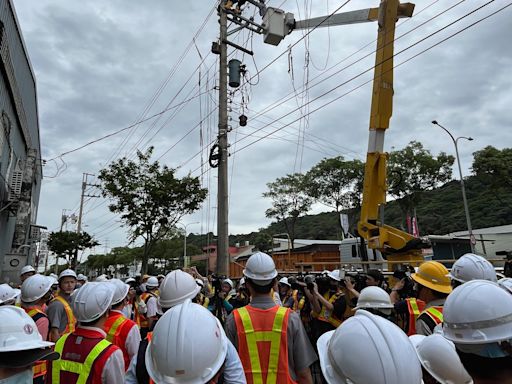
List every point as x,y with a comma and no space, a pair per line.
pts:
433,275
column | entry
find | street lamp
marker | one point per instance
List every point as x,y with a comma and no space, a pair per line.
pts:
185,242
464,199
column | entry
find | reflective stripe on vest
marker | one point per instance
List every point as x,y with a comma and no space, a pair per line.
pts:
326,315
40,367
276,365
113,331
83,370
70,326
414,307
435,313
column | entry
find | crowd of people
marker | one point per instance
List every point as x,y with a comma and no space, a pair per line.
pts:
430,326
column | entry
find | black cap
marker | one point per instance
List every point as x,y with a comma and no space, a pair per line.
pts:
19,359
376,274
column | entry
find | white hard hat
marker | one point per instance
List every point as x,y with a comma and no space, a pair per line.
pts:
472,267
35,287
18,332
81,277
439,357
284,280
367,337
376,298
27,269
188,346
478,312
92,300
229,282
242,281
260,268
8,294
152,282
67,273
101,278
200,282
129,280
337,274
177,287
54,276
120,290
506,283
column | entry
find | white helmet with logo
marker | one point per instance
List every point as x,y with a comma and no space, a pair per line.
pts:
367,337
260,268
35,287
18,332
152,282
177,287
92,300
120,290
478,312
27,269
8,295
67,273
376,298
284,280
188,346
472,267
439,357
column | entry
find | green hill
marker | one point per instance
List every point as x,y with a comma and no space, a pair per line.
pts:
439,212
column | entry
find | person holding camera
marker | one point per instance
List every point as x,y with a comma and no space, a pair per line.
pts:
424,309
328,302
221,305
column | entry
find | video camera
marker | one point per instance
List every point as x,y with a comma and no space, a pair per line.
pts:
217,282
405,274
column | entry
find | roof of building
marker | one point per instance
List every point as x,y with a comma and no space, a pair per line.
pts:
501,229
299,243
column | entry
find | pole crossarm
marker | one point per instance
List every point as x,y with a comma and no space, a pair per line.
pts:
352,17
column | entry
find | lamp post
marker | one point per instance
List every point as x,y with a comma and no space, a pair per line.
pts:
185,242
464,199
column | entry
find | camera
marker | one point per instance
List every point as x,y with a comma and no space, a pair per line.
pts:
405,274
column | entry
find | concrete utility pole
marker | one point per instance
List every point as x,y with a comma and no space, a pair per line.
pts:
222,181
85,183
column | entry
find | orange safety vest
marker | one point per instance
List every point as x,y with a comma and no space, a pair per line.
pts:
71,324
263,344
117,327
415,308
149,337
40,367
326,315
141,319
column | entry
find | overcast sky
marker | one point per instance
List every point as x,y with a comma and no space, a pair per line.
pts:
102,65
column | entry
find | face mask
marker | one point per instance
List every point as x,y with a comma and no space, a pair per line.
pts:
24,377
491,350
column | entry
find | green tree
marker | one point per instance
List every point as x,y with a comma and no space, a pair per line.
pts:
149,197
289,201
413,170
337,183
495,167
66,244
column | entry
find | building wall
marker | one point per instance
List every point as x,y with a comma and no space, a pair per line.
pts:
19,135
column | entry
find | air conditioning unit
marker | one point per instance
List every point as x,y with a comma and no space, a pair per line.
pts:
14,193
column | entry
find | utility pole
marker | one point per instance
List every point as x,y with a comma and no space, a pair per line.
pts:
85,183
222,180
